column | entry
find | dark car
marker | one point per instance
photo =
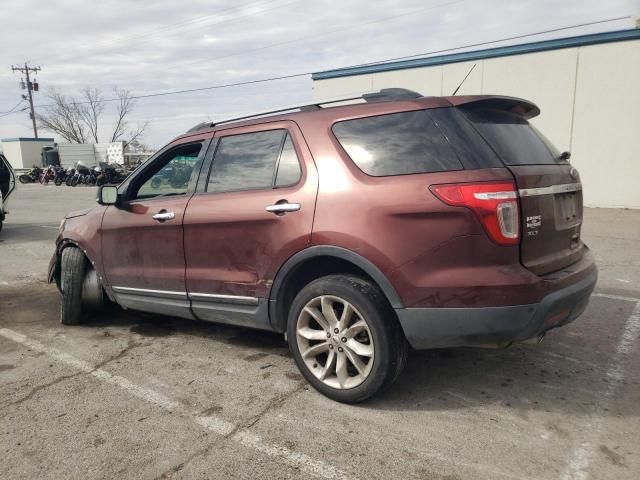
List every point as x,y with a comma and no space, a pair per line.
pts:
7,185
356,230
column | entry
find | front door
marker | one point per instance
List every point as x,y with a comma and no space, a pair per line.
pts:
142,236
253,211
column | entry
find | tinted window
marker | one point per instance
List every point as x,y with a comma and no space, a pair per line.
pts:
289,166
513,138
397,144
244,162
469,146
170,175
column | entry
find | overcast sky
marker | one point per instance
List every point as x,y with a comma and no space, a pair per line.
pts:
165,45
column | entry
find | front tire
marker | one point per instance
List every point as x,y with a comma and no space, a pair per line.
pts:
345,338
73,265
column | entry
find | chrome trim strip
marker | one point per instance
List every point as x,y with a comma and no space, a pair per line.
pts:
495,195
564,188
144,291
234,299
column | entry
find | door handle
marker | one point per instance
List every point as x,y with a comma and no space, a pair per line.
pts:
163,215
282,207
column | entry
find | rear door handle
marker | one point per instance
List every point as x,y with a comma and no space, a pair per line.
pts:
282,208
163,215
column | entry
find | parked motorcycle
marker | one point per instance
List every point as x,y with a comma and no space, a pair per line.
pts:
177,176
31,176
82,172
60,176
69,174
47,175
109,173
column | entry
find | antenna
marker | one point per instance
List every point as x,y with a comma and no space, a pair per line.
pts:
468,73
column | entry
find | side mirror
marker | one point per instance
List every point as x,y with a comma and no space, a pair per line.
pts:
107,195
565,155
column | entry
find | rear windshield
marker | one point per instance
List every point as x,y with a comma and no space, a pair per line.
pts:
420,141
514,139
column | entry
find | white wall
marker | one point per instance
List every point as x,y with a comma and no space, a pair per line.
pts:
31,152
606,124
24,153
12,151
90,154
71,153
589,98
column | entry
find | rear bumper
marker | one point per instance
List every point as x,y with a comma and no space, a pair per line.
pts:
453,327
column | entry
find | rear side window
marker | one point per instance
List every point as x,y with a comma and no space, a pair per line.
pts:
514,139
254,161
397,144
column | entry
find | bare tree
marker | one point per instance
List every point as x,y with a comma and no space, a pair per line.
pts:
121,129
91,109
77,119
63,116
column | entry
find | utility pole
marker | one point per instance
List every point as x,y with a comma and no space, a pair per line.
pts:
30,86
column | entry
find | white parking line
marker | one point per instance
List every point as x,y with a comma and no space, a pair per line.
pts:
616,297
581,456
212,423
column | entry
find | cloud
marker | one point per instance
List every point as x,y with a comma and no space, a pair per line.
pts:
167,45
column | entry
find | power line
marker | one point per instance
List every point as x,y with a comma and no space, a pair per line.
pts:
479,44
107,48
173,26
323,34
302,74
12,109
11,113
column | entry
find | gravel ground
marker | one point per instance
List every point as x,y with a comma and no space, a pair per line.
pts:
138,396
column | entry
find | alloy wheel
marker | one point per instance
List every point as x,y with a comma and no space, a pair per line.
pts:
335,342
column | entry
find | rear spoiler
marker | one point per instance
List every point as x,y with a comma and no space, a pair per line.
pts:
515,105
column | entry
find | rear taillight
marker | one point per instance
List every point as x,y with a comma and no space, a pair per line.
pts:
495,205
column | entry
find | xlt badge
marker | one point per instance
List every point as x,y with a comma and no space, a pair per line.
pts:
533,223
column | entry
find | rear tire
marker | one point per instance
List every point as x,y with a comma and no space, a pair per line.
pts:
367,353
72,270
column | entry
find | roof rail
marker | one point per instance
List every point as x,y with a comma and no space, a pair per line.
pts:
383,95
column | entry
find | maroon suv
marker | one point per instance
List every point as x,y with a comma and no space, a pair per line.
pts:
357,230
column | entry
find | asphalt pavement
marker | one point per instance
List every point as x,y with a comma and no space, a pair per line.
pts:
130,395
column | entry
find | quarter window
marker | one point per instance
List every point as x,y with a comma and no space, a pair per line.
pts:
289,165
397,144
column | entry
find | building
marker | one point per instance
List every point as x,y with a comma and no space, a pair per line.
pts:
25,152
587,87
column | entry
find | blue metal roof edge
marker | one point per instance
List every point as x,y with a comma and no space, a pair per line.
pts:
544,45
26,139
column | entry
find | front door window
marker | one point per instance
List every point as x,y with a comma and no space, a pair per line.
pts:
171,175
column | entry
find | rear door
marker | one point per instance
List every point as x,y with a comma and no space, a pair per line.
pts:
253,209
549,189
